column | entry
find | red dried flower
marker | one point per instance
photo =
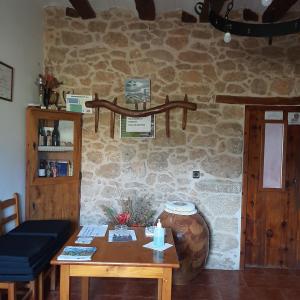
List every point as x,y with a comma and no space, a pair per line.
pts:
123,218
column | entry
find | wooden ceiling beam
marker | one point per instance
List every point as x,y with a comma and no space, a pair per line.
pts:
276,10
72,12
217,6
145,9
84,8
257,100
188,18
250,15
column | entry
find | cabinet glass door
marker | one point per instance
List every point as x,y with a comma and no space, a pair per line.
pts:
55,148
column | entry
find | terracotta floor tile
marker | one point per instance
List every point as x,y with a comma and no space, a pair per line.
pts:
254,284
291,294
205,277
263,293
202,292
226,278
232,292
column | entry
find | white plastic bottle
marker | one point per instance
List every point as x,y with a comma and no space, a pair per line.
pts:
159,235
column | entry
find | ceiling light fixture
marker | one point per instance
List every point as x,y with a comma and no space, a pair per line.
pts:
227,35
240,28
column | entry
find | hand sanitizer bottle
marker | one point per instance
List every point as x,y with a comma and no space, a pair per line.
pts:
159,235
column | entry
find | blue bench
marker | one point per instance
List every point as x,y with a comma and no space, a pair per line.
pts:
26,250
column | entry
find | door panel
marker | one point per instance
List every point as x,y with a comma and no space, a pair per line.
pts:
272,214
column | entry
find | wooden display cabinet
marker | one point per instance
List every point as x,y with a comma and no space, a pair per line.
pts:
53,170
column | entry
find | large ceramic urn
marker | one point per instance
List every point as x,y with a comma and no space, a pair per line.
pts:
191,237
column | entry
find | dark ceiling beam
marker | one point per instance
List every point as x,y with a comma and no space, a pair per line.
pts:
204,17
277,10
71,12
202,8
217,5
84,8
188,18
250,15
145,9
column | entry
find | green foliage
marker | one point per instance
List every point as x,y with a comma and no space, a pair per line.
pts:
139,208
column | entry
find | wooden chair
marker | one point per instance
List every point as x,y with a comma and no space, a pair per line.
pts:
8,217
9,212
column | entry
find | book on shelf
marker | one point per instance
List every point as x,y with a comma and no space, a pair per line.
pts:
77,253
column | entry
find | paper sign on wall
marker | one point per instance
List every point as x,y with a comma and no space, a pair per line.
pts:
76,103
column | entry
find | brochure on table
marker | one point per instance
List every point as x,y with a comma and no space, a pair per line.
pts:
77,253
93,231
121,236
84,240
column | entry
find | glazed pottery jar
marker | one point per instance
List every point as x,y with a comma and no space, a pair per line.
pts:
191,237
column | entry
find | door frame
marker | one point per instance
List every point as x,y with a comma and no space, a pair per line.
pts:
249,108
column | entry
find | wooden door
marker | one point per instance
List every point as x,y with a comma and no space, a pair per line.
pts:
271,188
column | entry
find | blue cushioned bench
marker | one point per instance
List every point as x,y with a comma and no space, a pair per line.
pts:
25,251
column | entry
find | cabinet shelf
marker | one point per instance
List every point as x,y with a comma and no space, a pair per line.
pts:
55,148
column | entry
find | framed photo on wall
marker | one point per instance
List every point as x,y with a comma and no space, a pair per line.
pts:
137,90
6,81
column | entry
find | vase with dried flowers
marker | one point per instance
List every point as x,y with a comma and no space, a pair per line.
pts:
47,84
134,212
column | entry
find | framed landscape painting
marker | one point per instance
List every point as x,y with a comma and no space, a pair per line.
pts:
137,90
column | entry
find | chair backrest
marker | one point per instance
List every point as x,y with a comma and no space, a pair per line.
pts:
9,212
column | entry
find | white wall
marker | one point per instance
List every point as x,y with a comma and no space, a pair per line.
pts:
21,29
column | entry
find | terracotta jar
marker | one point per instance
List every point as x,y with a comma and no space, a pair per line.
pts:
191,237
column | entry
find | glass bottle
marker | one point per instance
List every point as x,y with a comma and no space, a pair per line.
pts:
55,135
42,168
159,235
42,134
49,138
41,91
48,170
70,169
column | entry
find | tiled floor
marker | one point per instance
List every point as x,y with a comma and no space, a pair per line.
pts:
210,285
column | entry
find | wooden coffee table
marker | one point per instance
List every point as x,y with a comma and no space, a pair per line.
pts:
121,259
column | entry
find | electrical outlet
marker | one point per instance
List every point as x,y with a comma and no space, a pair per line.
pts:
196,174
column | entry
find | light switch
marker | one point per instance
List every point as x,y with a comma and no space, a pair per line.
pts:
196,174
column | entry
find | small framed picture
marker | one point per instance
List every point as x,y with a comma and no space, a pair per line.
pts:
294,118
137,90
6,81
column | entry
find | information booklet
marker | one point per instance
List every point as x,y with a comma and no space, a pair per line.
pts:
77,253
121,236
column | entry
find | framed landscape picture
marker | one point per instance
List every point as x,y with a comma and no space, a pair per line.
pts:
6,81
137,90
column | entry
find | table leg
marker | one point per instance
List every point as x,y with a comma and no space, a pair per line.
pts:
41,286
53,278
85,288
166,289
12,291
64,282
159,288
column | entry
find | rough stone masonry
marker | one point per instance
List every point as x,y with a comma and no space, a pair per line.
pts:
98,55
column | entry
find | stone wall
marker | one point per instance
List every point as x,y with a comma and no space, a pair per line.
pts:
98,55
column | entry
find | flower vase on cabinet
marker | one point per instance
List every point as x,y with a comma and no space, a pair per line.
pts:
46,97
